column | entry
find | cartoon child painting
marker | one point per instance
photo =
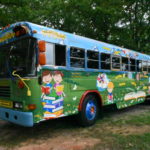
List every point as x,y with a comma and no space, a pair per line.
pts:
102,82
58,86
110,90
52,94
46,79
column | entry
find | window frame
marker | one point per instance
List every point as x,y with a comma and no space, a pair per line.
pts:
92,60
115,69
128,69
65,48
132,65
143,65
78,58
105,61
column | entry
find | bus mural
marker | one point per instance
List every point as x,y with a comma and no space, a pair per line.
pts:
52,94
47,73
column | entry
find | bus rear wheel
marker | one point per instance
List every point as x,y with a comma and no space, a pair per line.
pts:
90,110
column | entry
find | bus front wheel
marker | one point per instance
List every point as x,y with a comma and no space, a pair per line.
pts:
89,113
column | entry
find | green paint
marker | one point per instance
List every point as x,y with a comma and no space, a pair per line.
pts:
115,88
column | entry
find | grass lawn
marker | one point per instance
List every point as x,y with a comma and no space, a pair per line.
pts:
126,129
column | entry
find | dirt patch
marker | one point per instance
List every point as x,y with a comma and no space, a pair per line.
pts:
2,148
61,143
128,130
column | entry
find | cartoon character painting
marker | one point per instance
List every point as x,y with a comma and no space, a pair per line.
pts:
52,94
46,79
57,86
110,91
102,82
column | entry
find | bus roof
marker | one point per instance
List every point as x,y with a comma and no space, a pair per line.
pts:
60,37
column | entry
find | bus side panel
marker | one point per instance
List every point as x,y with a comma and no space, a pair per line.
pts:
62,90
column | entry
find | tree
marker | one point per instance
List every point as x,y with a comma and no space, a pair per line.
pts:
120,22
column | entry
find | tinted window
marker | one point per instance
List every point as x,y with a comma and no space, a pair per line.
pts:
60,55
149,67
77,57
20,56
115,62
77,52
144,65
105,61
92,59
132,65
125,64
93,55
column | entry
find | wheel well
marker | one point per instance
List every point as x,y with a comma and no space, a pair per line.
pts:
92,92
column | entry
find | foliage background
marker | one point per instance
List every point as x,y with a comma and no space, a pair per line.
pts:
120,22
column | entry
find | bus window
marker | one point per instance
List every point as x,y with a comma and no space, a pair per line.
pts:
144,66
50,54
139,66
105,61
132,65
125,64
77,57
149,67
60,55
115,63
55,54
92,59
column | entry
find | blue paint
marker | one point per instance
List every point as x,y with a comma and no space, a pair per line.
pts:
90,110
17,117
73,40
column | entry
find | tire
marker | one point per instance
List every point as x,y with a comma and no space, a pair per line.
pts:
90,110
147,100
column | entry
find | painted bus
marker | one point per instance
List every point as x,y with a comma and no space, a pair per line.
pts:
47,73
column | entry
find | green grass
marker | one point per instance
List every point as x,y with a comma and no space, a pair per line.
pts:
127,132
126,129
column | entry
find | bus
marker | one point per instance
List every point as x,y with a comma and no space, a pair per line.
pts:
47,73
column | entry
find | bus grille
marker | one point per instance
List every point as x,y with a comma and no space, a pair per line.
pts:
4,91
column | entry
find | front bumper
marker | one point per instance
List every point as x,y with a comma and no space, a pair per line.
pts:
17,117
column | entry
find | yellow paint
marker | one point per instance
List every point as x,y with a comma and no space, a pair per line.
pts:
106,48
43,103
4,103
57,113
133,83
76,76
124,75
117,52
7,36
145,76
37,116
118,76
59,88
145,88
53,34
122,84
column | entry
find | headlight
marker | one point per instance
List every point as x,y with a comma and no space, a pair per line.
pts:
18,105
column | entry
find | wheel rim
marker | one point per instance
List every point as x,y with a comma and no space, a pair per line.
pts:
90,110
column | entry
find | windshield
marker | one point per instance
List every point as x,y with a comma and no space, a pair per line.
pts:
19,56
